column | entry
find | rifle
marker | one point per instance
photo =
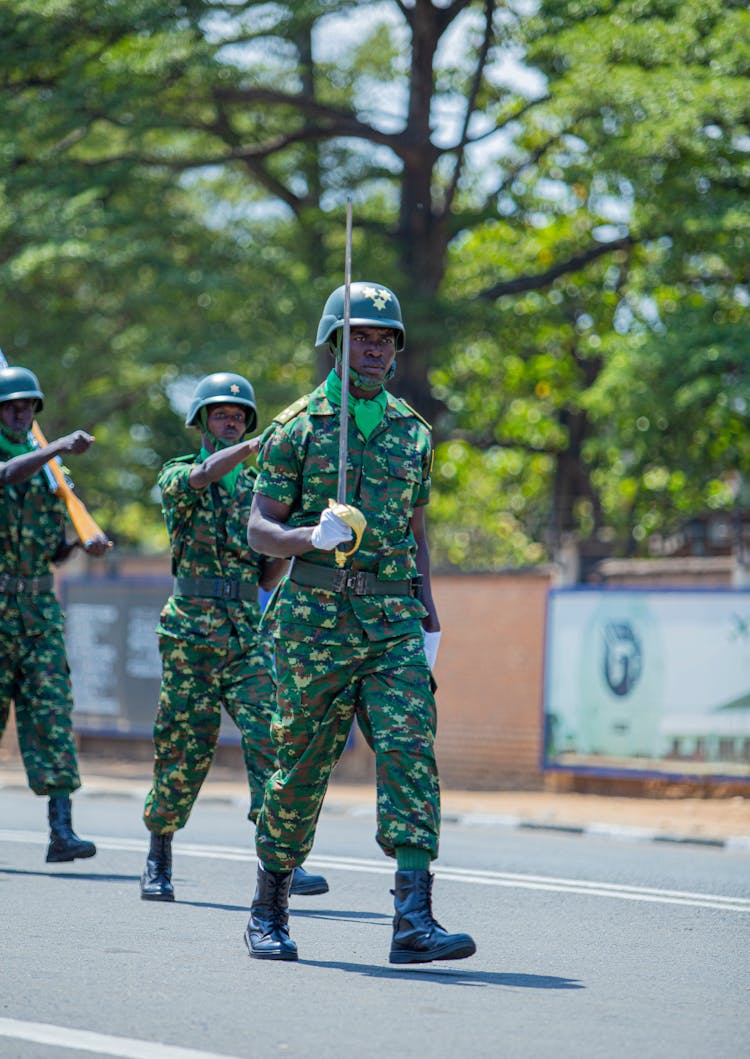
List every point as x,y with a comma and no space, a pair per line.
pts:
83,523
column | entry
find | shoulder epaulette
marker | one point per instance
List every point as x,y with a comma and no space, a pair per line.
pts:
292,411
414,412
189,458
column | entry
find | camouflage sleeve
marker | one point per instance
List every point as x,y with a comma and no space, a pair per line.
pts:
279,468
176,492
423,493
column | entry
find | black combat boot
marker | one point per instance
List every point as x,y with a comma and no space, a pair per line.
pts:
417,937
64,843
267,931
305,885
156,881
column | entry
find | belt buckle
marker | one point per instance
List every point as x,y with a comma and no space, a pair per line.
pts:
357,582
34,586
20,585
228,590
341,580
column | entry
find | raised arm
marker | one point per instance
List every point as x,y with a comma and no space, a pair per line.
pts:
22,468
215,466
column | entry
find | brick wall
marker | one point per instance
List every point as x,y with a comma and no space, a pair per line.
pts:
489,673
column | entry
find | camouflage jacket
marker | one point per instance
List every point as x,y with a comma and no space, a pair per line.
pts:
208,538
388,476
32,528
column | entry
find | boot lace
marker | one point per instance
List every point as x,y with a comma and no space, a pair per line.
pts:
426,886
278,911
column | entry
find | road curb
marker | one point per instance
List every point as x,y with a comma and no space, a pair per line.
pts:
137,790
601,830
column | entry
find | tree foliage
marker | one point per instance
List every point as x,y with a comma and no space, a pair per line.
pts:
556,195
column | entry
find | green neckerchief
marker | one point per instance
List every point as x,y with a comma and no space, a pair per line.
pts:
14,448
11,448
228,480
368,412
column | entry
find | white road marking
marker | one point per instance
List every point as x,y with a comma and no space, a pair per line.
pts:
475,877
102,1043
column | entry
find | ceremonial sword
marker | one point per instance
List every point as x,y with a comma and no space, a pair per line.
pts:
352,516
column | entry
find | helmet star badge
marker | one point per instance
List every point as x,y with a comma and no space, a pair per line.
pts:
379,297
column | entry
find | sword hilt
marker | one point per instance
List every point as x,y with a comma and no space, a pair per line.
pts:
354,518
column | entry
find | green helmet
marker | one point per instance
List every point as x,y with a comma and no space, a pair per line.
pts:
18,383
223,387
370,305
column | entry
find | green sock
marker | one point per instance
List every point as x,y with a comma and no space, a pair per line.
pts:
409,858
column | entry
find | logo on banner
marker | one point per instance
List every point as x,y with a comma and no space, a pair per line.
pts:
623,658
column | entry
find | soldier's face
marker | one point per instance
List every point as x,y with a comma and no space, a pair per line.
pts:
371,351
16,416
227,421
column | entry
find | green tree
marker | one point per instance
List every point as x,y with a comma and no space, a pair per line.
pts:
173,179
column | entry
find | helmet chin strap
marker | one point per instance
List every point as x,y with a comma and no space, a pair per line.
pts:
362,382
18,437
218,443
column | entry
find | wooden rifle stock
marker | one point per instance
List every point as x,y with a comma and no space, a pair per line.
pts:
84,525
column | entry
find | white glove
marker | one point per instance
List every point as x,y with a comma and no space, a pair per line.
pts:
431,644
330,531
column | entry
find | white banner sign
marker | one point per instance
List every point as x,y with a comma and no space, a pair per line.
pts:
653,681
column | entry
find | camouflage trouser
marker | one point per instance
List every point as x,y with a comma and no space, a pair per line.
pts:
321,689
34,674
196,682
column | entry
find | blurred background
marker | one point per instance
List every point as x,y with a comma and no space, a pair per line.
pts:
557,191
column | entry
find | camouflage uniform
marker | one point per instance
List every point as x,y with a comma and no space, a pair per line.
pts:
211,650
340,654
35,673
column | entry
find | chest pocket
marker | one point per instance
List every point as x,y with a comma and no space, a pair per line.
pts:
401,488
320,474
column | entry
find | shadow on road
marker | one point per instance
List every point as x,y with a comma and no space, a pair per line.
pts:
311,913
459,976
88,876
336,914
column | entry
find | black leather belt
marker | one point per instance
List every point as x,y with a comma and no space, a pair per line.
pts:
11,585
214,588
358,582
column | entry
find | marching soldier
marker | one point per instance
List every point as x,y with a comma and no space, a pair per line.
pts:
356,640
34,670
211,650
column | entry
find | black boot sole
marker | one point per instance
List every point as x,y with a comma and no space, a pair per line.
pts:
66,858
301,890
444,952
157,897
272,954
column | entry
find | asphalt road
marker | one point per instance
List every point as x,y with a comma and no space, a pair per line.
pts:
587,947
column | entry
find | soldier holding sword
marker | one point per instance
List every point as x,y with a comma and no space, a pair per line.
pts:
353,629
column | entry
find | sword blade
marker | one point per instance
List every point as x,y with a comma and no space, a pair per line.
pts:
344,421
